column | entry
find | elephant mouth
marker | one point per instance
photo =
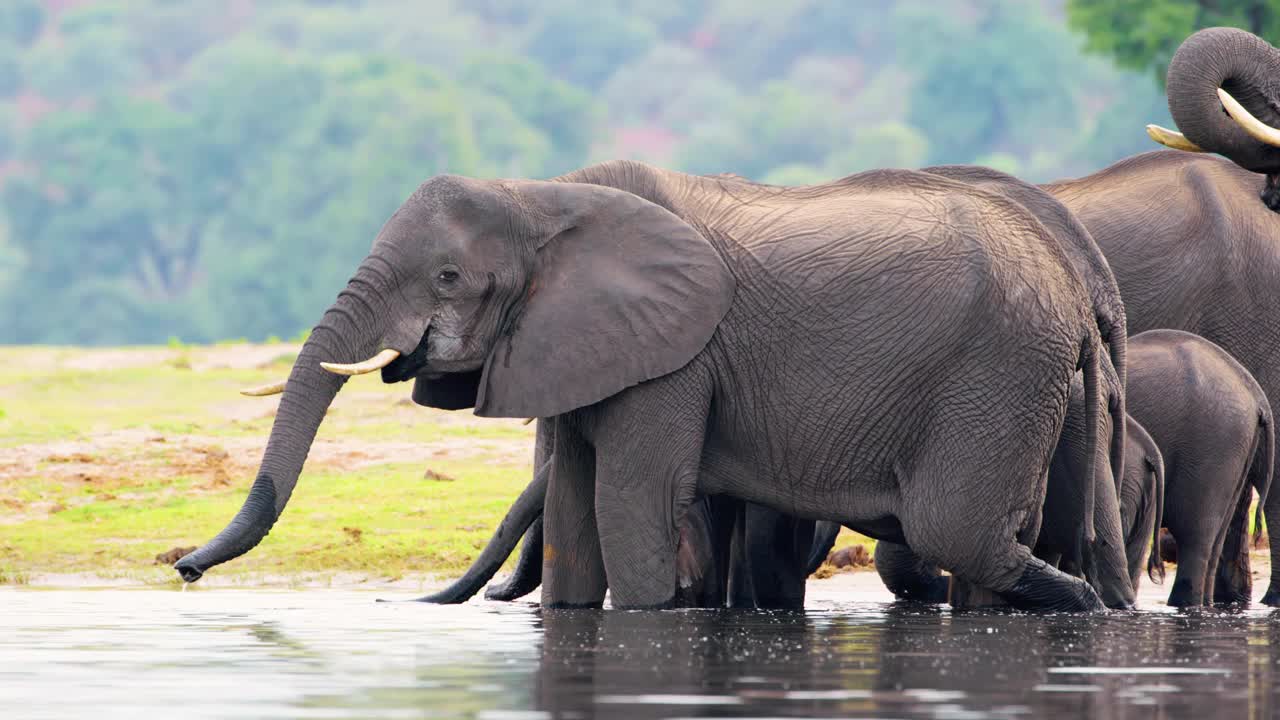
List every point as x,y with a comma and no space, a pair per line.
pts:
408,367
416,364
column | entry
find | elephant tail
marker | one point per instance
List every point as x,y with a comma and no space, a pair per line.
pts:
1260,471
1116,407
1155,563
526,509
824,538
1089,363
1113,327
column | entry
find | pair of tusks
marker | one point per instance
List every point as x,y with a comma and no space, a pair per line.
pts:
1257,129
377,362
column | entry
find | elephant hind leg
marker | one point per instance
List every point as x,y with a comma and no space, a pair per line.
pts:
1194,549
989,554
1233,581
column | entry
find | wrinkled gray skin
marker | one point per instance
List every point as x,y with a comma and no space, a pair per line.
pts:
1244,65
1141,498
773,561
669,326
1142,503
1066,501
1212,423
1192,250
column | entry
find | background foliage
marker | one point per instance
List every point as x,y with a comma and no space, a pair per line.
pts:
215,170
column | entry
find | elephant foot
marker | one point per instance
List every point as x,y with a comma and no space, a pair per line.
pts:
1271,192
1184,595
1042,587
1272,597
1226,592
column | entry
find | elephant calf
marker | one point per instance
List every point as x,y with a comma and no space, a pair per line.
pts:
1212,423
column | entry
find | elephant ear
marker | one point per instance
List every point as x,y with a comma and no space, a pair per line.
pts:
622,291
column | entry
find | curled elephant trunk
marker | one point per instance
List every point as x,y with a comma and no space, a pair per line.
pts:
350,331
1218,80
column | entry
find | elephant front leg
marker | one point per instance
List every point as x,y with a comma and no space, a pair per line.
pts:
639,538
648,450
573,574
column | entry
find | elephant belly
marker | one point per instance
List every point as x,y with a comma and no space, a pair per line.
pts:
860,498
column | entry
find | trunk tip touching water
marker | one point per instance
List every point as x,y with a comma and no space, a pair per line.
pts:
250,525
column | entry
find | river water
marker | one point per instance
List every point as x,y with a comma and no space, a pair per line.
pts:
337,654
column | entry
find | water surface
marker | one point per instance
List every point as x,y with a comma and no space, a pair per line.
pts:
338,654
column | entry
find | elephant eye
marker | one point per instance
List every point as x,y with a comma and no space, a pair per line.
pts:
448,276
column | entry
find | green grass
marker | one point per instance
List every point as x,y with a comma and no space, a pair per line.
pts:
386,521
102,468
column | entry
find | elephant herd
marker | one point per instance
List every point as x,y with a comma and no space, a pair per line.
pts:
1018,385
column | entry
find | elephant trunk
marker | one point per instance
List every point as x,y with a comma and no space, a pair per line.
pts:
351,330
1243,65
824,538
526,510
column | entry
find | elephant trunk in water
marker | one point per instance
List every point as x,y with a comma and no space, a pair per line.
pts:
1226,68
350,331
523,513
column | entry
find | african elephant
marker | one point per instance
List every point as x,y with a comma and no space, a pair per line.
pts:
1192,249
1212,423
897,345
773,564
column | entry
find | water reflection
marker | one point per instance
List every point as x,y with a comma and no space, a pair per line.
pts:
338,654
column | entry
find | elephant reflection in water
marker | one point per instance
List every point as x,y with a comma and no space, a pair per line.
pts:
641,664
901,659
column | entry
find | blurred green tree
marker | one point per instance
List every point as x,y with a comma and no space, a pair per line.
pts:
1143,34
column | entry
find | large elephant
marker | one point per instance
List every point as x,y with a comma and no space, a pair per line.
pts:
772,539
897,346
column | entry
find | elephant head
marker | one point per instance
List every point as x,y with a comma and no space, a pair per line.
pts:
517,298
1224,97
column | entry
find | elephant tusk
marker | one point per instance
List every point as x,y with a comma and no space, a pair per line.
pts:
1257,129
1172,138
377,362
274,388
